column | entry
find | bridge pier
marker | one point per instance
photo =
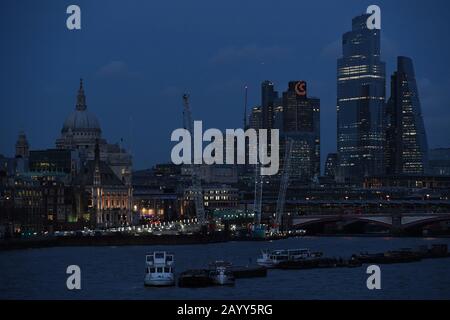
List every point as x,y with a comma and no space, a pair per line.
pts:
396,228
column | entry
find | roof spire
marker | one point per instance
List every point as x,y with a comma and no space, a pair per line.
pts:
81,98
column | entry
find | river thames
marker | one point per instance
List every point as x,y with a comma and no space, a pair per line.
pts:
117,272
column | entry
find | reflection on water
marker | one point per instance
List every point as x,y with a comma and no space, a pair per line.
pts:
117,272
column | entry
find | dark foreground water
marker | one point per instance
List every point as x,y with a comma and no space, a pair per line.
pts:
117,272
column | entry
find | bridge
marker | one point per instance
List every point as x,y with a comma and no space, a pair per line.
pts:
396,222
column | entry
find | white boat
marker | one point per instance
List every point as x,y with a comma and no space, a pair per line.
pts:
221,274
271,258
159,269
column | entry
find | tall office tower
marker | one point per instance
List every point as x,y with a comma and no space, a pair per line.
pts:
301,122
278,116
255,118
360,103
406,140
268,98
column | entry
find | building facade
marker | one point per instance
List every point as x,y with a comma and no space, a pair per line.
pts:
268,98
54,161
214,197
301,122
255,118
360,103
439,161
406,140
102,199
331,165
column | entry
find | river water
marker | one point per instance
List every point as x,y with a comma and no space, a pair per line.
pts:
117,272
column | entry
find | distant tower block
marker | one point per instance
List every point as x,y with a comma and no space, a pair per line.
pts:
22,146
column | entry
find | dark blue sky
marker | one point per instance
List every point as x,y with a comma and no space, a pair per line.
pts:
137,57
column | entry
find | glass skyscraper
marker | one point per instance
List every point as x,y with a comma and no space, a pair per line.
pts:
268,97
301,122
406,139
360,103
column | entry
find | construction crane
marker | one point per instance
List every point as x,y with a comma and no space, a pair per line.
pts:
283,183
257,205
259,231
194,168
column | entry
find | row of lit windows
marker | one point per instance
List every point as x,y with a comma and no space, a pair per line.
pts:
218,198
360,77
361,98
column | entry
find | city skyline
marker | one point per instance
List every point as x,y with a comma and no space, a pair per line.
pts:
186,150
120,88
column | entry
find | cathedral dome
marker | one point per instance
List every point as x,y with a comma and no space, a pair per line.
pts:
81,120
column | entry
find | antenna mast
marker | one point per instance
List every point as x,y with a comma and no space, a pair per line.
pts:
245,107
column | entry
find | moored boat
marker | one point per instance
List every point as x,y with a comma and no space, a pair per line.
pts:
222,276
272,258
399,256
159,270
240,271
195,279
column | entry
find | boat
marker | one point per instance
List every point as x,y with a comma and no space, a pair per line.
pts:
401,256
308,263
198,278
221,273
159,270
272,258
240,272
398,256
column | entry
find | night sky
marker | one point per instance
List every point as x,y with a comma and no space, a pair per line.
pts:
138,57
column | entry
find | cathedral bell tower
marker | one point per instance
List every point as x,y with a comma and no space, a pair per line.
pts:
22,146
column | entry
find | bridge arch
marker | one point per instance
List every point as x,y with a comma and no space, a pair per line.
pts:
420,223
365,221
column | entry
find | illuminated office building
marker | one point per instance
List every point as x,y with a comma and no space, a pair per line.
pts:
301,122
360,103
255,118
268,98
406,139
